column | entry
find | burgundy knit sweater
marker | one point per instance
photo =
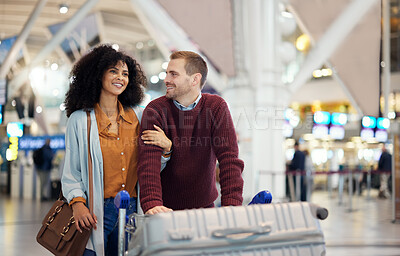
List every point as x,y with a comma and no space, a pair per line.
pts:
199,137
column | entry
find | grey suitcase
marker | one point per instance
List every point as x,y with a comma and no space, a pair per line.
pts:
262,229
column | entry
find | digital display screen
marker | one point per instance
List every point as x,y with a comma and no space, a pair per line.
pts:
1,114
381,135
320,131
337,132
339,119
367,133
32,143
15,129
287,129
383,123
322,117
368,122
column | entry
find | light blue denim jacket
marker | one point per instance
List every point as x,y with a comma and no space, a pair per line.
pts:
75,176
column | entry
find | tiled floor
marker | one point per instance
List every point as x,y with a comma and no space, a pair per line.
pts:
367,230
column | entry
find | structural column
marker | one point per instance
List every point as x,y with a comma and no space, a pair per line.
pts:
258,97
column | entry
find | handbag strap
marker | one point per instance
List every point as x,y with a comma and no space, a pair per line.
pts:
90,164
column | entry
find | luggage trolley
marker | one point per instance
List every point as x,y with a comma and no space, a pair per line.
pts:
260,228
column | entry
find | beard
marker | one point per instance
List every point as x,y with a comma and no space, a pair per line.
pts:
177,92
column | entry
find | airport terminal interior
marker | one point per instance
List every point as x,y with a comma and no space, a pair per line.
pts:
321,74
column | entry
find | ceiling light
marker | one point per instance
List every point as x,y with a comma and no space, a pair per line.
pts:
115,47
54,66
162,75
139,45
39,109
63,8
154,79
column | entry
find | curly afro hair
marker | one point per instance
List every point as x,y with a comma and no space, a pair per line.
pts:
86,79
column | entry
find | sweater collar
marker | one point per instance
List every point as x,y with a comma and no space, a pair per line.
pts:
190,107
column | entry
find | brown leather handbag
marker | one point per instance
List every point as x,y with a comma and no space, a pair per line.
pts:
58,233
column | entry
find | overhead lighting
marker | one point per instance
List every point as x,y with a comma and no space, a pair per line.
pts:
162,75
322,72
54,66
139,45
39,109
115,47
154,79
63,8
303,43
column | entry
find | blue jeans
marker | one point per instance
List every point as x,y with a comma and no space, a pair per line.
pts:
110,227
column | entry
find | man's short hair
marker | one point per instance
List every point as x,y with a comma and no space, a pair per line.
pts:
194,63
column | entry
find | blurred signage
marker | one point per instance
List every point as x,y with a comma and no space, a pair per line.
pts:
366,133
12,151
32,143
1,113
320,131
372,127
15,129
287,129
383,123
339,119
381,135
336,132
368,122
322,117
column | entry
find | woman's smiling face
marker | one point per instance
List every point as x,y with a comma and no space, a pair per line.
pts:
115,79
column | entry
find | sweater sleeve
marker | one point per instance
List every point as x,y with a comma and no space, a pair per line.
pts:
149,164
226,150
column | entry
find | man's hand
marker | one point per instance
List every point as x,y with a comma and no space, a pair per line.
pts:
158,209
83,218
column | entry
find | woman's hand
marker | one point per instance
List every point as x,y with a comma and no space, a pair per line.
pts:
158,138
82,217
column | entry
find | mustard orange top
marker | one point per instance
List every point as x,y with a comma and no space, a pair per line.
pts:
120,152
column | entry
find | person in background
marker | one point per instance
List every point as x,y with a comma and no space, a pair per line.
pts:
109,84
202,132
43,160
309,168
297,164
384,166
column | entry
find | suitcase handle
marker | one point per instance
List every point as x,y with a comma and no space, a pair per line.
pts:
242,232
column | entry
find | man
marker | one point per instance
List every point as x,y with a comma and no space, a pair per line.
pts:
202,132
298,164
42,159
384,166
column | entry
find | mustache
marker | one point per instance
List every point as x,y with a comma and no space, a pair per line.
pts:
169,84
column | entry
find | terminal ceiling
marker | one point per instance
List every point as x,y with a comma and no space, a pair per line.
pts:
118,22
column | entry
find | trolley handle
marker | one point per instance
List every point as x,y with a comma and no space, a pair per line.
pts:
319,212
245,231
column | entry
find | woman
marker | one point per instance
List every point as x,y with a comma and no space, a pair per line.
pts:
109,84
